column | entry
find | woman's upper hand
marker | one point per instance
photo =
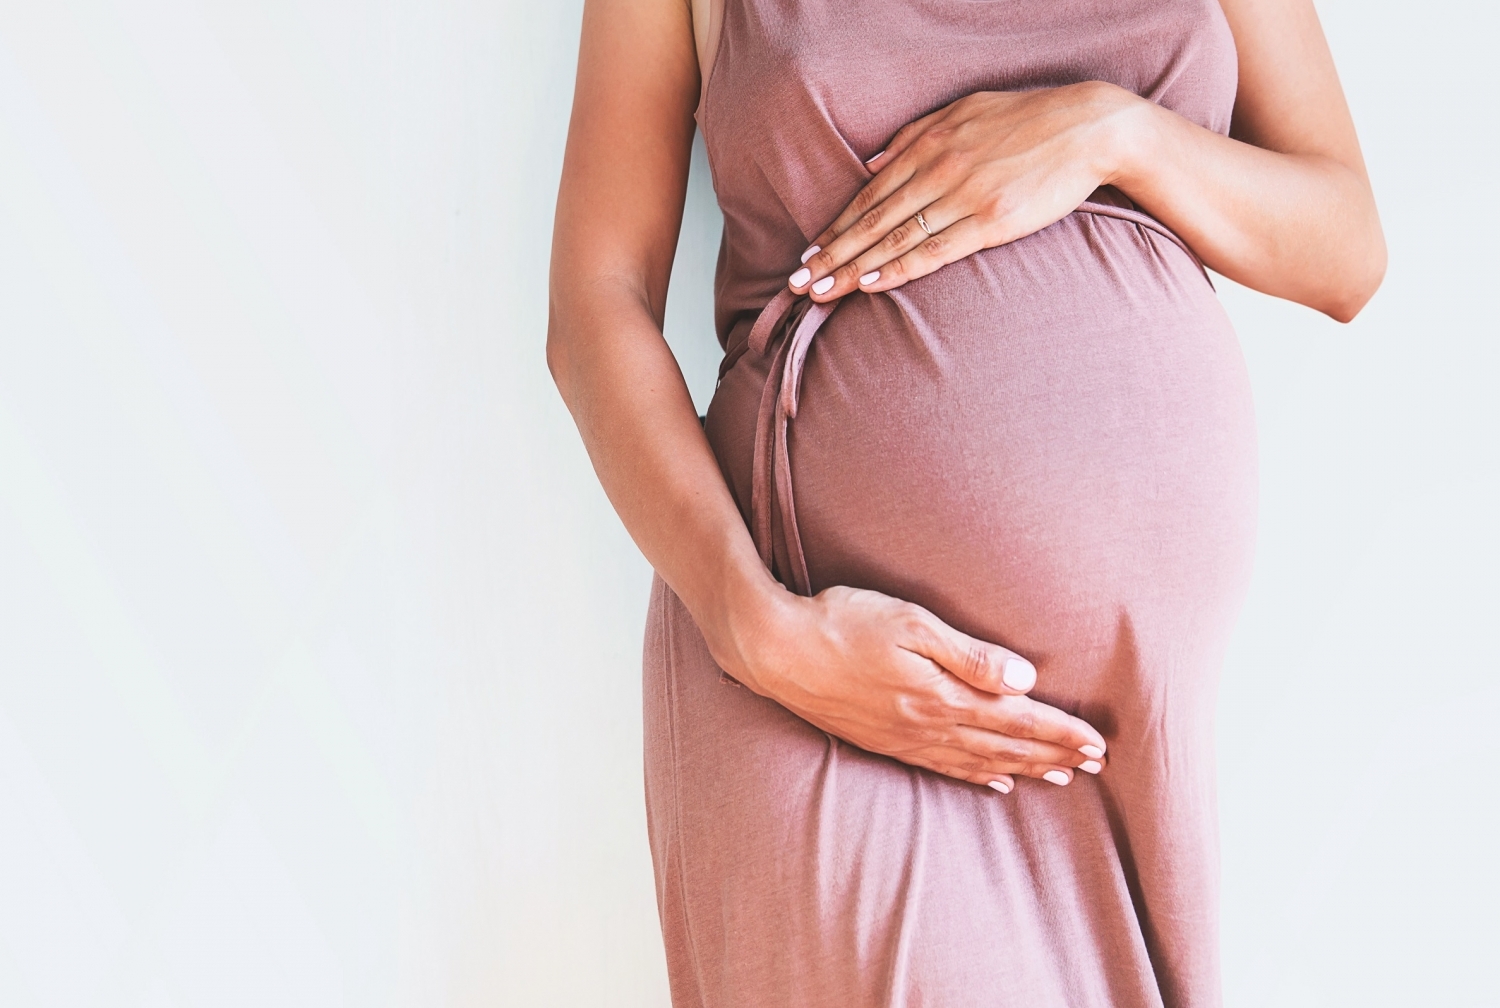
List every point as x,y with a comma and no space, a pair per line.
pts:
891,678
990,168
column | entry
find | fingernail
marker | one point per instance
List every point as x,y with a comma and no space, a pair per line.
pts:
1020,674
823,286
869,278
1056,777
1089,766
1091,751
1001,786
800,277
812,251
874,156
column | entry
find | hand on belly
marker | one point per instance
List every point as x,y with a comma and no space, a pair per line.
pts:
988,169
891,678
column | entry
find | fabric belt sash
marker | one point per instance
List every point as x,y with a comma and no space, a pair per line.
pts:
785,329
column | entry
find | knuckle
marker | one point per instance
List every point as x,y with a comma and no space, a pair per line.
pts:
947,163
977,662
949,704
898,237
929,142
1023,724
1011,751
996,206
821,261
913,711
938,134
864,200
868,224
934,246
901,706
913,620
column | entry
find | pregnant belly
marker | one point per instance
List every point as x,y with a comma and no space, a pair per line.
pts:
1044,443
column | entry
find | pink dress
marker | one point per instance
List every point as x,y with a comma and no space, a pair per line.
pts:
1050,445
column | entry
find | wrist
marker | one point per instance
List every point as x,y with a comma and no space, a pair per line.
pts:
742,622
1132,129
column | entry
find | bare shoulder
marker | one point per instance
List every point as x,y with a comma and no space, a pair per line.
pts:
630,136
637,53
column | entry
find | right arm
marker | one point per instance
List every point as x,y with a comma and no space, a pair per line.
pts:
880,673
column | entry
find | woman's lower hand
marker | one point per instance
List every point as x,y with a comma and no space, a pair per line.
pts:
891,678
989,168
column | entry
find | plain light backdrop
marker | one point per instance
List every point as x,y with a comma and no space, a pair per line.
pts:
319,643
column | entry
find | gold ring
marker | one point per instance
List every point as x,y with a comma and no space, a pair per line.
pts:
922,223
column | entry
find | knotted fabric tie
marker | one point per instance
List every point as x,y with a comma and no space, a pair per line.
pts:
785,330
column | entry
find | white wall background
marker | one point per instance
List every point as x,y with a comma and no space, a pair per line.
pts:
319,644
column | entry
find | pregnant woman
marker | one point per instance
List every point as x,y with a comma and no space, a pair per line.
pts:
946,577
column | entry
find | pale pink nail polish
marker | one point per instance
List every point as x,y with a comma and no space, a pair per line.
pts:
823,286
1091,751
873,157
1089,766
1000,786
812,251
1056,777
800,277
1019,674
869,278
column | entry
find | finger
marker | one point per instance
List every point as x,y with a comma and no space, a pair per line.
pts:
957,766
875,192
893,173
1004,783
967,766
983,665
875,222
1060,776
1024,756
951,244
1023,717
869,270
951,234
903,139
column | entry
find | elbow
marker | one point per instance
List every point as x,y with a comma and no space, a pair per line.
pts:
1354,300
554,356
557,358
1359,288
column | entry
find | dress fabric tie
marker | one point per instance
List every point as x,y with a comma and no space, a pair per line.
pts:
784,329
1049,445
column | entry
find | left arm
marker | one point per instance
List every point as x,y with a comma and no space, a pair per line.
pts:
1282,205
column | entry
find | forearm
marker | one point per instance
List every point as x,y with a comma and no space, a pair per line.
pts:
1297,226
618,212
627,395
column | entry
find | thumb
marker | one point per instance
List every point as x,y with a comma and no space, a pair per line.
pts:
983,665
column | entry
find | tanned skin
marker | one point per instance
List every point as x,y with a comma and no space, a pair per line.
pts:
1283,205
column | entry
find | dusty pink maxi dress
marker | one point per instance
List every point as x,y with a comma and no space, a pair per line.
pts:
1050,445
